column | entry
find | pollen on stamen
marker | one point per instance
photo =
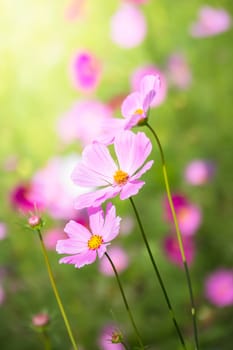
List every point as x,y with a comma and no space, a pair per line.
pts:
121,177
95,242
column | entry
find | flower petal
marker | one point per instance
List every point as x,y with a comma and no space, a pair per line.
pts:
144,169
96,168
149,87
131,188
71,246
95,199
77,231
111,225
80,260
131,103
96,220
138,148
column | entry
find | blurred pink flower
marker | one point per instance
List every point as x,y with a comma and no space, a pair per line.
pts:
172,251
83,245
211,21
84,122
3,230
2,295
128,26
189,216
178,71
120,259
52,185
199,172
75,10
127,225
51,237
40,320
98,169
85,71
150,69
107,336
219,287
20,198
138,2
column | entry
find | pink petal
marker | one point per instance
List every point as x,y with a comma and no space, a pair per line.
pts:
149,86
144,169
111,225
101,251
80,260
96,168
131,104
95,199
138,148
131,188
77,231
70,246
96,220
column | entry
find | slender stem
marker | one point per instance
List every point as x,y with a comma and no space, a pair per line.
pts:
47,344
125,302
172,314
179,237
53,284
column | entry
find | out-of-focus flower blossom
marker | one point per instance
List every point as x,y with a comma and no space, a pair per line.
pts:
3,230
84,122
75,10
219,287
98,169
150,69
51,237
189,216
85,71
178,71
199,172
138,2
211,21
127,225
172,251
40,320
110,337
2,295
20,198
128,26
53,186
120,259
83,245
10,163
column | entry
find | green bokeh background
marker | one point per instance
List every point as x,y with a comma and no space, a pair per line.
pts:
36,43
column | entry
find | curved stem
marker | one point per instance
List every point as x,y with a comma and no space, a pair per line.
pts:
53,284
47,344
125,302
172,314
179,237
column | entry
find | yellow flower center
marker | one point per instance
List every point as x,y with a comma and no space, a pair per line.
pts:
121,177
139,111
95,242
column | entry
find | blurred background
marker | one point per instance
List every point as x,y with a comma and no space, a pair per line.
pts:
65,66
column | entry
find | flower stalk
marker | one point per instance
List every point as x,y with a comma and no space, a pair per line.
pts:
179,237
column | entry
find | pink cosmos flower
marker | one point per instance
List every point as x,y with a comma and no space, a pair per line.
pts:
98,169
85,71
178,71
188,215
109,337
75,10
150,69
134,109
84,245
210,22
84,122
20,198
172,251
128,26
120,259
51,237
219,287
199,172
41,319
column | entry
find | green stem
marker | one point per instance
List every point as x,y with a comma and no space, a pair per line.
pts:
47,343
53,284
179,238
126,302
172,314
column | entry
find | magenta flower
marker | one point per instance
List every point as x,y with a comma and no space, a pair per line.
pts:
219,287
189,216
172,251
150,69
120,259
210,22
84,245
85,71
84,122
110,338
128,26
199,172
98,169
20,198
